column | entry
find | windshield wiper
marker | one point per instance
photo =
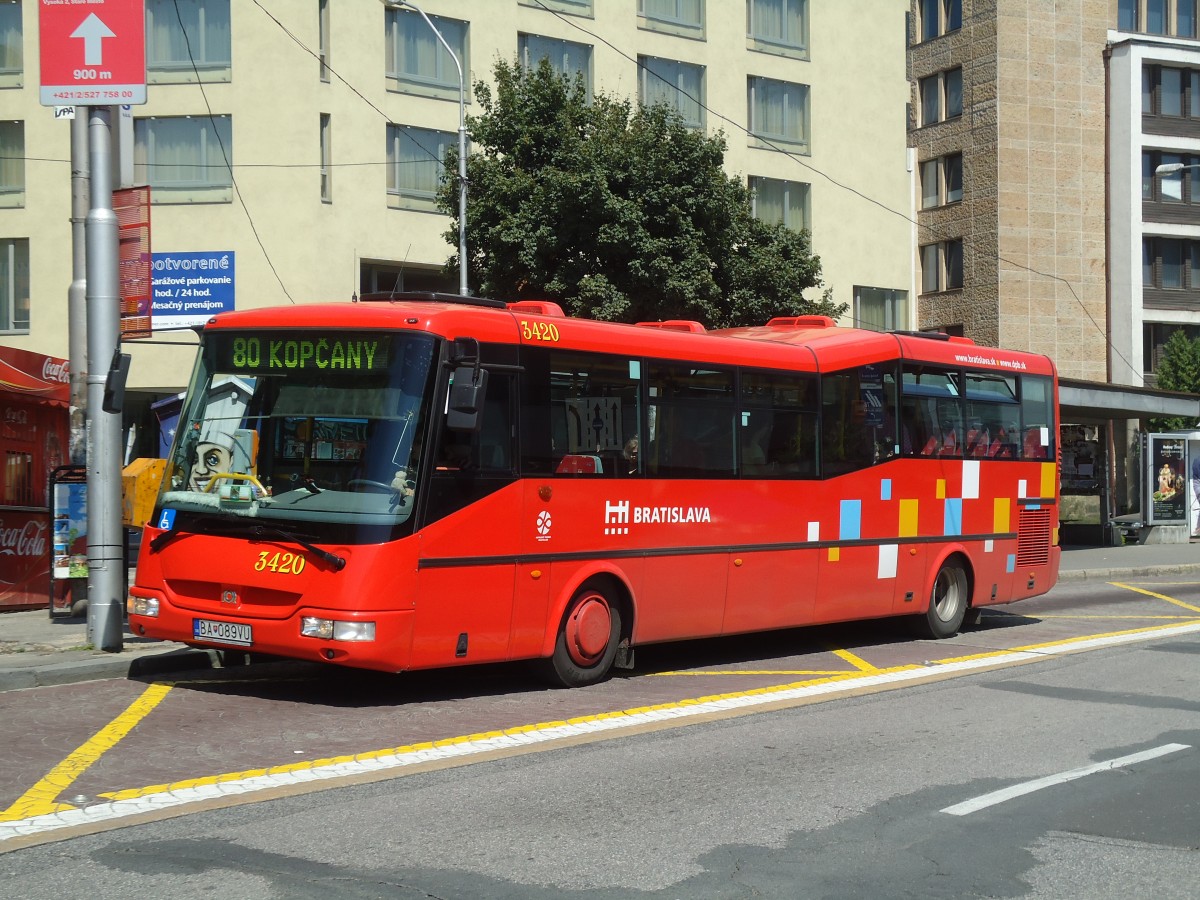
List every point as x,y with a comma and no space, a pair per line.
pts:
338,562
258,530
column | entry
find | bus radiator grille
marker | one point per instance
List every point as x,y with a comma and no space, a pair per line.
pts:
1033,537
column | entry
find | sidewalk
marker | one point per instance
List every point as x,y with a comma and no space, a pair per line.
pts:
36,650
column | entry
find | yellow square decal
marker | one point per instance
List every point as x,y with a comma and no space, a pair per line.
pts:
941,488
908,518
1002,515
835,554
1049,477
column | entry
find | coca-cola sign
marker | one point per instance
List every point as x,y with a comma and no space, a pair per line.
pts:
56,370
26,540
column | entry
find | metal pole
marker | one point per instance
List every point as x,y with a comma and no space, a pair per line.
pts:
462,153
105,535
76,293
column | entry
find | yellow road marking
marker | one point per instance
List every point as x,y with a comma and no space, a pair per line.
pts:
1130,587
1174,618
1065,642
861,664
42,798
753,672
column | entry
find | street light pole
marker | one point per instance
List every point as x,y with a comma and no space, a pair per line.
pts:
462,145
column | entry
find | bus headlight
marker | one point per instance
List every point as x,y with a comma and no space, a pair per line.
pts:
331,629
141,606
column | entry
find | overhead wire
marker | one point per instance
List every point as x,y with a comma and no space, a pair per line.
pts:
738,126
225,155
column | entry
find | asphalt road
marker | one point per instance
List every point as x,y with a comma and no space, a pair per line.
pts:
861,794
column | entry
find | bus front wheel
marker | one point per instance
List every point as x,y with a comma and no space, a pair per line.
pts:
947,602
587,640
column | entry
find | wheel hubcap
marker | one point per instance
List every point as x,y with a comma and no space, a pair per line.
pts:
947,595
588,628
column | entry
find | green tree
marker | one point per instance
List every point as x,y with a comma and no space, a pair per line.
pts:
616,211
1179,370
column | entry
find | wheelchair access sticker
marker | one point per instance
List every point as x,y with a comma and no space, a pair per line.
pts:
167,520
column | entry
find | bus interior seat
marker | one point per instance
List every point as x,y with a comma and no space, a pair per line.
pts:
580,464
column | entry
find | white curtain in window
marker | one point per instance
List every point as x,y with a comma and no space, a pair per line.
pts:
930,187
676,84
566,57
205,24
778,21
417,53
180,152
415,160
778,109
14,283
11,57
12,156
931,276
768,200
676,10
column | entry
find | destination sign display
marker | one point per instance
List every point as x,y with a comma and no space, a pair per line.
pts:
274,353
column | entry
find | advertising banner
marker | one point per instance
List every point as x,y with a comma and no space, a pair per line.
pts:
1166,479
190,288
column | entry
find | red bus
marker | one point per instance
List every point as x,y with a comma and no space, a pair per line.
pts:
414,481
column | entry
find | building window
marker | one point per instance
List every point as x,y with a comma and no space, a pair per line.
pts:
566,57
778,111
326,159
679,85
880,309
12,164
941,181
185,159
680,17
323,37
12,59
570,7
778,26
417,63
1154,341
200,49
784,202
18,478
938,17
940,96
1171,93
942,266
1177,187
1176,18
1170,264
414,165
14,284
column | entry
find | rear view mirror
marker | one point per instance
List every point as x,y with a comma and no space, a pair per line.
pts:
468,389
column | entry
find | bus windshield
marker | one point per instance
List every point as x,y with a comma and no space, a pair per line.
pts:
321,431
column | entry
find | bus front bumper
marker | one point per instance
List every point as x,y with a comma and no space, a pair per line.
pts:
378,639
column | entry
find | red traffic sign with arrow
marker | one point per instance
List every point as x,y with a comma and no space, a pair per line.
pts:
93,52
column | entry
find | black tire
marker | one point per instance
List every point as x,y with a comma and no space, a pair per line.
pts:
587,640
947,602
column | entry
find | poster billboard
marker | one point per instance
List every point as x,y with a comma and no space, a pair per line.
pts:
189,288
1166,479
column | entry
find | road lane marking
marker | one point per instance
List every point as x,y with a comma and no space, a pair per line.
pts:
1140,618
749,672
42,798
158,801
1028,787
861,664
1157,596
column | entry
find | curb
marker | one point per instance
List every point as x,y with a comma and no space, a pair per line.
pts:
73,672
1118,573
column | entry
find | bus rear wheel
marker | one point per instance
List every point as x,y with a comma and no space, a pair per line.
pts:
947,602
587,640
